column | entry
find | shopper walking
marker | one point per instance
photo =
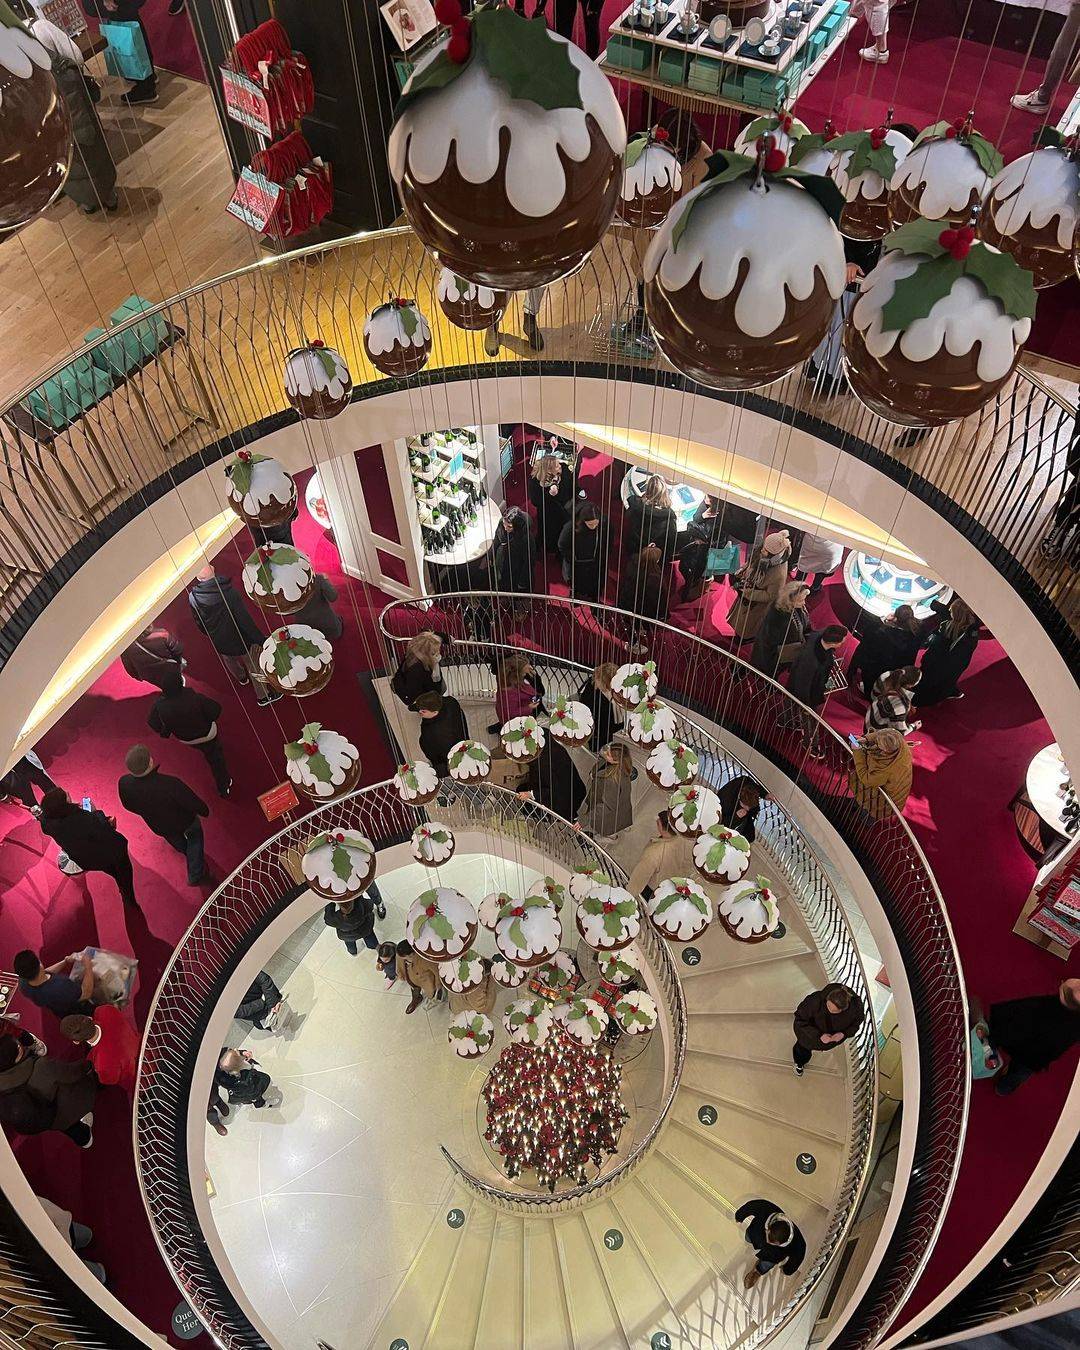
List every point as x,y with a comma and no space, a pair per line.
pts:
818,558
64,988
583,550
1034,1032
551,492
782,630
192,718
354,920
775,1238
823,1020
881,773
515,553
554,782
891,701
90,839
651,519
608,808
144,90
318,611
420,670
221,614
667,854
91,180
20,780
595,693
153,655
169,807
38,1093
260,1002
1059,63
948,654
808,680
740,802
239,1076
112,1044
758,584
885,644
421,976
442,725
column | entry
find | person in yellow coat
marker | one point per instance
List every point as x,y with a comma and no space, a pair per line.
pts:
882,765
480,998
421,976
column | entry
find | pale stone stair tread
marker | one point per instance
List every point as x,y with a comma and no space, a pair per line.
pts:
783,983
546,1316
642,1304
593,1313
765,1088
755,1037
500,1321
457,1313
755,1116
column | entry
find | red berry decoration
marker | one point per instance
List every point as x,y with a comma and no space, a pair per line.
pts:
661,134
786,122
775,160
460,44
950,133
243,456
431,911
518,911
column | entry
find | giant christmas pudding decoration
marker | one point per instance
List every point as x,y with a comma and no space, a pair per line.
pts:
651,179
554,1110
786,131
938,326
260,491
507,973
583,1019
34,126
570,721
608,918
650,722
470,1034
527,931
679,909
462,974
441,924
636,1012
946,173
297,659
742,277
433,844
397,338
279,578
748,910
416,782
633,682
694,809
863,165
469,761
672,764
468,306
322,763
317,381
522,738
1033,210
507,150
339,864
721,854
619,967
528,1021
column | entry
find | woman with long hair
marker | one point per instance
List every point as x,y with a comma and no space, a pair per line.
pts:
893,696
650,519
551,490
582,547
885,644
420,669
643,588
608,809
782,630
949,653
595,693
516,694
758,584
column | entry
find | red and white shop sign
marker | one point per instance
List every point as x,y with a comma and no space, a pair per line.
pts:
245,102
255,200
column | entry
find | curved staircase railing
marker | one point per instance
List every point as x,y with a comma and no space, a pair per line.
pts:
722,689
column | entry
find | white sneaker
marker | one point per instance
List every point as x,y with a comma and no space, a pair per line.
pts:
874,56
1031,103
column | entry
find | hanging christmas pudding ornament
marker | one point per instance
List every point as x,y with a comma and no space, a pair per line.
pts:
748,910
279,578
470,1034
507,973
694,809
1033,209
672,764
522,739
467,305
721,854
433,844
416,782
786,131
549,890
608,918
463,973
679,909
586,879
570,721
583,1019
742,278
36,127
631,683
619,967
863,166
339,864
651,721
317,381
469,761
297,659
488,909
636,1012
322,763
397,338
528,931
651,179
810,152
528,1021
947,172
441,924
260,491
507,150
938,327
556,978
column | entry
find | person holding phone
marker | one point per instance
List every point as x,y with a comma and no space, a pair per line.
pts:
90,839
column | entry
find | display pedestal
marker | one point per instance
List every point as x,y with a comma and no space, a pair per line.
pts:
1023,929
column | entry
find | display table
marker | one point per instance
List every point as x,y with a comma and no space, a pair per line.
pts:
476,540
684,500
880,588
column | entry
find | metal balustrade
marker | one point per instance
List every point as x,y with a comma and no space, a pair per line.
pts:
710,682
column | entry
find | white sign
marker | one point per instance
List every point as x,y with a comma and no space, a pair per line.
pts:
409,21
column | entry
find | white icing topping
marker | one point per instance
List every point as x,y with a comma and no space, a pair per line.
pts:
269,484
592,925
784,139
575,1016
469,116
339,753
468,1047
527,747
427,780
1036,189
682,917
457,290
667,759
656,167
426,848
749,909
706,802
948,173
583,883
506,973
541,929
869,185
664,724
610,962
20,53
289,581
959,320
816,161
783,234
474,761
305,374
384,330
576,723
453,906
621,683
637,1000
317,862
559,971
733,862
538,1032
300,667
554,892
463,974
488,909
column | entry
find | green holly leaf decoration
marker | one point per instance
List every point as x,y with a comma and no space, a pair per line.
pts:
931,133
285,651
341,862
698,901
526,59
646,717
804,145
439,924
989,156
917,236
1011,285
516,933
437,74
474,750
760,126
319,767
239,472
635,148
293,750
865,159
409,318
613,924
325,358
850,140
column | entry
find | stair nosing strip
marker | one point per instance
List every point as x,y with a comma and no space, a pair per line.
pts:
738,1156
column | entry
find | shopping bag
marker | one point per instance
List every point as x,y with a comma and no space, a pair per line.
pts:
114,976
723,561
126,53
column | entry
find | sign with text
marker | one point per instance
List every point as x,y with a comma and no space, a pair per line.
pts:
245,102
278,800
255,200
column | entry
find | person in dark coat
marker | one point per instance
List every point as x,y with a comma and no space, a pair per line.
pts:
127,11
583,550
192,718
168,806
91,180
38,1093
551,490
442,725
1034,1032
62,989
782,630
554,782
90,839
261,999
420,670
221,614
21,779
740,801
650,519
722,522
885,644
318,611
354,920
515,554
154,654
948,654
808,678
824,1020
595,693
774,1237
643,588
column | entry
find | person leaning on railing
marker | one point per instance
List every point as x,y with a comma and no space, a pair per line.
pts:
881,773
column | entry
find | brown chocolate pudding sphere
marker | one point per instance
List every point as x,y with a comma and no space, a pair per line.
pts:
35,129
397,339
938,180
317,381
866,214
650,186
469,306
1033,212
